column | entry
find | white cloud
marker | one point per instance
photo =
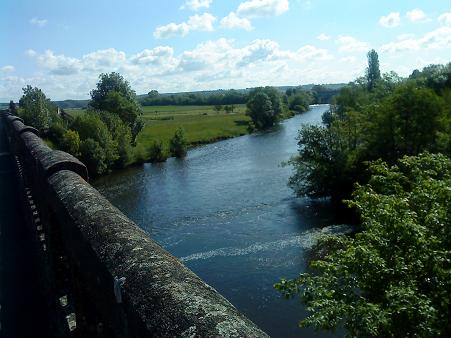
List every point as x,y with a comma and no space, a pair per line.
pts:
445,19
437,39
234,21
157,55
57,64
7,69
391,20
30,52
170,30
323,37
260,8
195,5
38,22
350,44
202,23
416,15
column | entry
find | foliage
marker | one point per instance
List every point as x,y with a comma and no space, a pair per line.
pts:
373,74
177,145
218,108
93,156
393,278
300,101
114,94
71,142
90,126
264,107
220,97
36,109
396,118
157,152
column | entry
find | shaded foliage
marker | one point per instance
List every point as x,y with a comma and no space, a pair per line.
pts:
393,278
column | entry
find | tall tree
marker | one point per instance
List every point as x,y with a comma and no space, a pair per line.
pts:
373,73
114,94
37,110
264,106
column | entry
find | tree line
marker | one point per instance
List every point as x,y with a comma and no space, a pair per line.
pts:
104,136
385,143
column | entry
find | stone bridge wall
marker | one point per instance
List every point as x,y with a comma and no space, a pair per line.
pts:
88,247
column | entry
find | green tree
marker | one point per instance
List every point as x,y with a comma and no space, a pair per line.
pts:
157,152
71,142
393,278
218,108
90,126
36,109
114,94
264,107
178,144
300,101
373,73
93,157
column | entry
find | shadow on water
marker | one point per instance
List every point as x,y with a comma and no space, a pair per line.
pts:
227,212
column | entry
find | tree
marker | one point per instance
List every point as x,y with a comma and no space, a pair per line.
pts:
114,94
153,93
71,142
157,152
373,73
218,108
37,110
264,107
391,279
90,126
177,145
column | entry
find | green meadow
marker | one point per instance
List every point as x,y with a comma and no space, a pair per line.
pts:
202,124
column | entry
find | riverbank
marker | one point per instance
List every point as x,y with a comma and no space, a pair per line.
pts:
202,125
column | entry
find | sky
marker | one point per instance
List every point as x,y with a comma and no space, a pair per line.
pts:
61,46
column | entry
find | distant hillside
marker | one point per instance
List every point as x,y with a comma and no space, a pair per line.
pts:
331,89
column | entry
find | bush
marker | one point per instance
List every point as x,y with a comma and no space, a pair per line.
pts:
71,142
93,156
157,152
177,145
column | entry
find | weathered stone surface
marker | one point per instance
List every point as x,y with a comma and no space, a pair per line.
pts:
57,160
10,118
20,128
161,297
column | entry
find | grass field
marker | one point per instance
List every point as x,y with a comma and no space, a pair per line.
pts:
202,124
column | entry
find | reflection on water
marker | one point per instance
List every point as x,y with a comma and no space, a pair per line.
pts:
227,212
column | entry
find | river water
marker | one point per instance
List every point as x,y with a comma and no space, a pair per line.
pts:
227,213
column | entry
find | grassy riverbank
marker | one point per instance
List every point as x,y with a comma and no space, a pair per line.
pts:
202,124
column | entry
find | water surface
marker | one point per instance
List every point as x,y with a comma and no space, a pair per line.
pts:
226,211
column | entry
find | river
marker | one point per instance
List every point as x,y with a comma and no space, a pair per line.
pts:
227,213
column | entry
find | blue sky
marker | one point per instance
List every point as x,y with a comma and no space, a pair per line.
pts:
62,46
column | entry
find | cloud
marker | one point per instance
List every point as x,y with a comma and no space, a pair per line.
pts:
350,44
234,21
201,23
155,56
261,8
416,15
195,5
57,64
38,22
445,19
437,39
391,20
323,37
7,69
